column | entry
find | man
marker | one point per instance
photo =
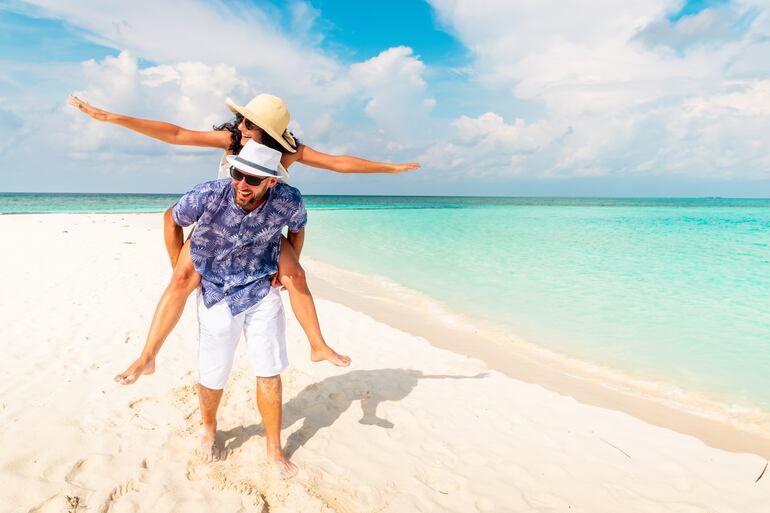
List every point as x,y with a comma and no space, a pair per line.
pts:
235,248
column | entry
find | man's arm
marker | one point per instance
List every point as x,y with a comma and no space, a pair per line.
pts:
188,210
297,240
173,236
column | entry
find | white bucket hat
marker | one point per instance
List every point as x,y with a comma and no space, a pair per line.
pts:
258,160
270,114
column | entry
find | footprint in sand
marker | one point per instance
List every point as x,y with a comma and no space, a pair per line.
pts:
56,503
108,497
59,503
342,497
150,412
87,472
131,485
440,479
185,395
252,494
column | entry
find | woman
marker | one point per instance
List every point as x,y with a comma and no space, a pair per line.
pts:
264,119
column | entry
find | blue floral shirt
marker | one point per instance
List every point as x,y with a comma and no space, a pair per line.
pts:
236,252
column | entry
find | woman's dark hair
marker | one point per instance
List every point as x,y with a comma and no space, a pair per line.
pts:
235,136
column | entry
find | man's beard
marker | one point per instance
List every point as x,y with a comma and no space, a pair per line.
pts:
249,203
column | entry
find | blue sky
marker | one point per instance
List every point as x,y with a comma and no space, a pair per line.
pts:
693,7
639,98
361,30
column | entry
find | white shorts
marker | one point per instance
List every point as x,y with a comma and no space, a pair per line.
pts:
219,332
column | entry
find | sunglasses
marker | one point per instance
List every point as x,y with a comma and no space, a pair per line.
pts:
251,180
249,125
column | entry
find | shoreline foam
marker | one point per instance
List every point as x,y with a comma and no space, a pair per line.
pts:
721,425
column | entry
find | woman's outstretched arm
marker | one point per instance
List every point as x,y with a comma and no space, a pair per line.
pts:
346,164
166,132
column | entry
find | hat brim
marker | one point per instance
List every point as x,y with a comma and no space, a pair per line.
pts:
286,140
283,175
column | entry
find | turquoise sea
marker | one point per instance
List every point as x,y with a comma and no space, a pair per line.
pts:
668,290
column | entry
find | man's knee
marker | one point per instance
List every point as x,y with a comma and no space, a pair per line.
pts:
204,390
270,384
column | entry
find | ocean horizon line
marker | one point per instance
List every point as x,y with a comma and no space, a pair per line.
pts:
522,196
89,202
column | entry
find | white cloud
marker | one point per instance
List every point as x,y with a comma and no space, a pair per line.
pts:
723,133
205,51
397,93
611,88
10,127
490,128
188,93
708,27
177,62
238,34
304,18
623,89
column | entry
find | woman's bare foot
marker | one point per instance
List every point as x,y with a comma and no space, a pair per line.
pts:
135,370
330,355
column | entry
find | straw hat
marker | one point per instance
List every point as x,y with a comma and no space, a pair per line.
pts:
258,160
270,114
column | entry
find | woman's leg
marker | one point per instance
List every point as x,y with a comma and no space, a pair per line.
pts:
170,307
292,276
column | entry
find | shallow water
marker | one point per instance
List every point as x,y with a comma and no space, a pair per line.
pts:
670,290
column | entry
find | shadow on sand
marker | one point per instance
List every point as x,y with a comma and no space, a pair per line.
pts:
320,404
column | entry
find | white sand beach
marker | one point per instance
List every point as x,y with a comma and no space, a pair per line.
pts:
414,425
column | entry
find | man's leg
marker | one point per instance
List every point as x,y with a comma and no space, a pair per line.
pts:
265,328
209,398
270,404
219,333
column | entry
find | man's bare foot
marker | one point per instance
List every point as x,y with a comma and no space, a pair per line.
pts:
209,450
330,355
135,370
283,466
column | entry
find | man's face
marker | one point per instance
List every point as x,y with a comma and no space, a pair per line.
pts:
249,197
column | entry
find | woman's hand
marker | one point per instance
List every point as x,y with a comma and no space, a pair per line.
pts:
400,168
86,108
166,132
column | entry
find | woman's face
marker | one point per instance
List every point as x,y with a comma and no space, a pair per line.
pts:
249,131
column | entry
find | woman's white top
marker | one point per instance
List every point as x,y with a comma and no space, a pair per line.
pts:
224,168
